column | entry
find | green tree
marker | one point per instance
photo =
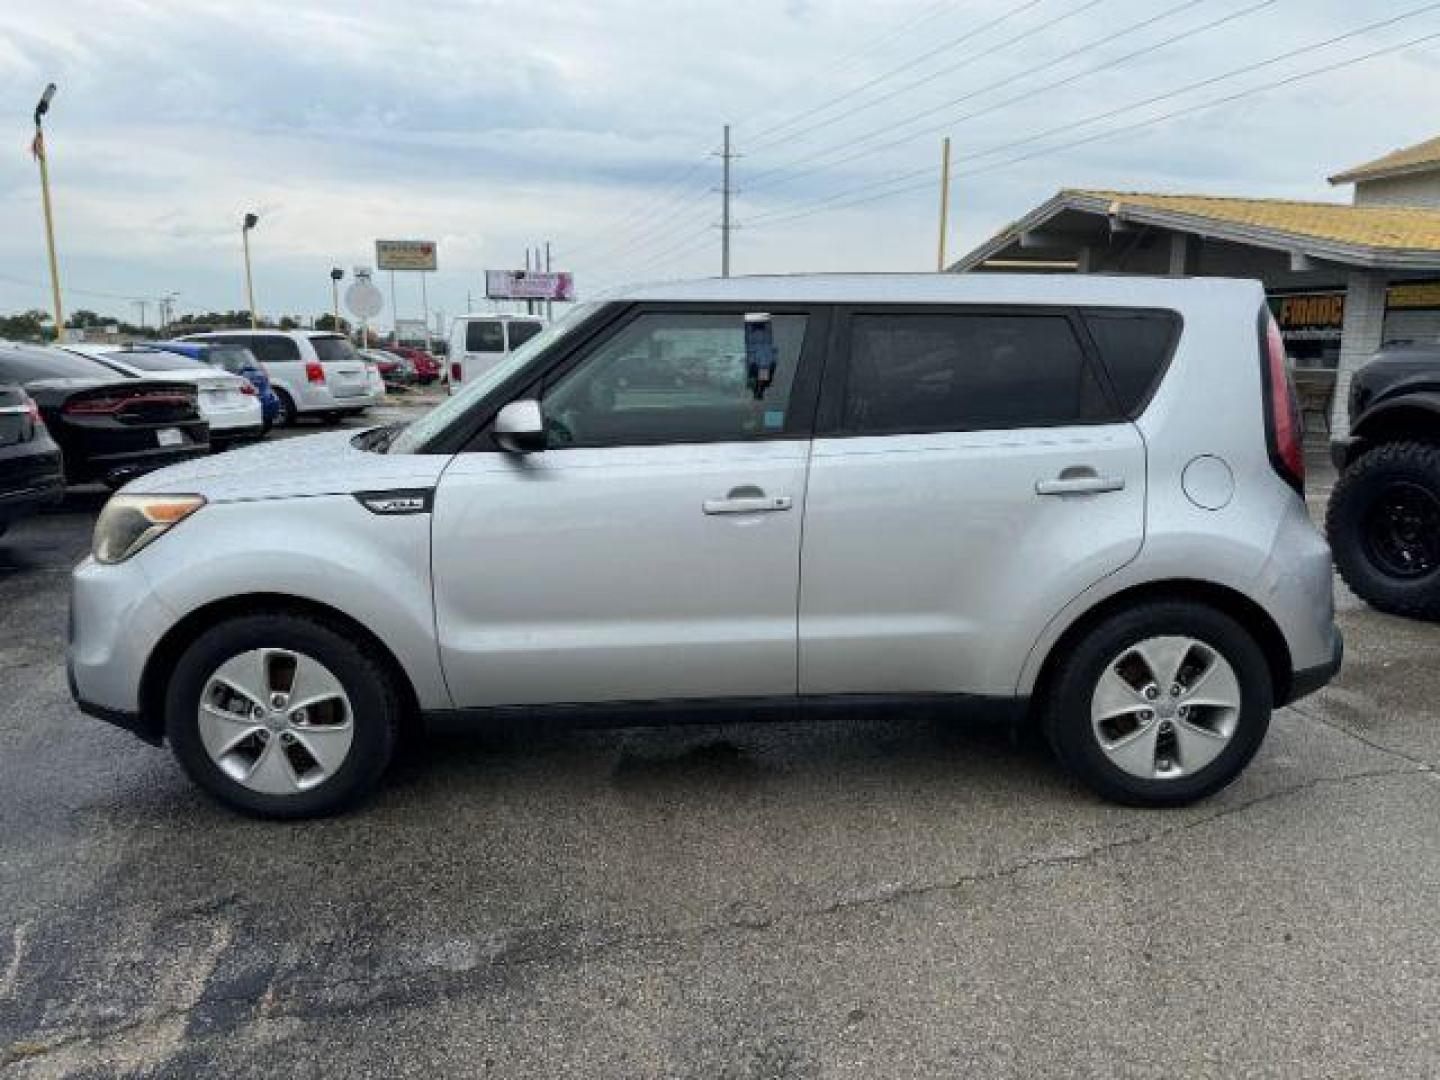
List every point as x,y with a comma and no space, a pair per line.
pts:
25,326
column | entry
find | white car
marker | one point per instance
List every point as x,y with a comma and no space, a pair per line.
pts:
314,373
481,340
229,403
1070,499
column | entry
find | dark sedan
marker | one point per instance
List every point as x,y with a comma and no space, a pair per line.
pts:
30,473
109,428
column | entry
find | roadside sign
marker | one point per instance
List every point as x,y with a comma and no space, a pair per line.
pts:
529,285
405,254
410,330
363,299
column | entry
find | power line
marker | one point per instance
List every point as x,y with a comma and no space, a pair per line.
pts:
1136,126
973,58
1151,100
1024,96
1025,73
760,136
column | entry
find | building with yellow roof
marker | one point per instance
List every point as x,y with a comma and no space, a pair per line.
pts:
1343,278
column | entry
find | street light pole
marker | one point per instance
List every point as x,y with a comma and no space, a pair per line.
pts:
251,220
335,275
37,148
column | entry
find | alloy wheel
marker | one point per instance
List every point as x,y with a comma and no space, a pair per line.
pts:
1165,708
276,721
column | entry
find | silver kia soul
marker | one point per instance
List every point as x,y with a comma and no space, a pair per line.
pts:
1070,498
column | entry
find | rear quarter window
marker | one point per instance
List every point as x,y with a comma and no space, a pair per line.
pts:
484,335
1135,347
274,350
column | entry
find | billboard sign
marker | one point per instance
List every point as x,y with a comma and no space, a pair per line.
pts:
405,254
529,285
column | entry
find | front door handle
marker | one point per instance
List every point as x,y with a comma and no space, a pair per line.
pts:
1080,485
747,500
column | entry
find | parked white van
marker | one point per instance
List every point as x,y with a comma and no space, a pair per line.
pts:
480,341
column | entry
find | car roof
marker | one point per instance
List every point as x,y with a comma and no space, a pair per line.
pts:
1117,290
504,316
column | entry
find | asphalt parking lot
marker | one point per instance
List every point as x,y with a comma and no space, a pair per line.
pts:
907,896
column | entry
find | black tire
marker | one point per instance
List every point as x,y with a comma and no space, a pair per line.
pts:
376,707
1066,702
1373,574
288,416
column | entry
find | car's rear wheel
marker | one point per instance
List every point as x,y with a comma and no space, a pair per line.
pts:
1160,705
282,716
288,415
1384,528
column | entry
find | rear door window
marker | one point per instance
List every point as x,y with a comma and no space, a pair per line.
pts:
273,350
967,372
485,335
333,350
521,332
1135,348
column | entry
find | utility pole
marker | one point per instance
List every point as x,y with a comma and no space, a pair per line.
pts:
141,304
529,304
394,311
37,148
725,158
944,200
425,309
549,304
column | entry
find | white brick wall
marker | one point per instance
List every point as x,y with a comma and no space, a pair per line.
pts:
1364,333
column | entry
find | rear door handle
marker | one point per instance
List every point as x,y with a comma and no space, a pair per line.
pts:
748,504
1080,485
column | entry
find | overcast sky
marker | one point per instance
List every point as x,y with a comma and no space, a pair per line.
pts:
488,126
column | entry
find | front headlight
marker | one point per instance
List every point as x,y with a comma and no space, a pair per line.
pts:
131,522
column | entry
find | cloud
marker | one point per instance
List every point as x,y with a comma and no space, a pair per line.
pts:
592,124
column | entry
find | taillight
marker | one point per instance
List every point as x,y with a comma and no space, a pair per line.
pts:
95,406
34,411
455,375
249,390
314,372
1283,432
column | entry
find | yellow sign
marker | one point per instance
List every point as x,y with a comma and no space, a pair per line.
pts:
1415,294
405,254
1311,311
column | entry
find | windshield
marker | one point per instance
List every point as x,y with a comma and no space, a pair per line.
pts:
414,437
24,365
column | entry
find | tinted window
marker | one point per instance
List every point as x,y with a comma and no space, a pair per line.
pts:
271,350
17,365
674,377
1134,348
332,350
484,336
232,358
521,332
155,360
967,373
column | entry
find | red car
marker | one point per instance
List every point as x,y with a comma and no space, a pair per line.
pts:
427,368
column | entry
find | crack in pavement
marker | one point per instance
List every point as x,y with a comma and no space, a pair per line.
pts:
1424,766
304,999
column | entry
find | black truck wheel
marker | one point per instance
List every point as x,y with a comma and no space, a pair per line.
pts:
1384,528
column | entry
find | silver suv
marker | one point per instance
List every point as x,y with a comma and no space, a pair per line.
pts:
1075,498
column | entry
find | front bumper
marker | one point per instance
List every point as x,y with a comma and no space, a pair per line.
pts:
116,620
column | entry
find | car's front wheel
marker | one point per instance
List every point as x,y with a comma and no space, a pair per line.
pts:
281,715
1160,705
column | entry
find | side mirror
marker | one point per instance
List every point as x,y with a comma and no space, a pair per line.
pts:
520,428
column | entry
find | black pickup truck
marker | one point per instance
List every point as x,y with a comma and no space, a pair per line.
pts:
1384,515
